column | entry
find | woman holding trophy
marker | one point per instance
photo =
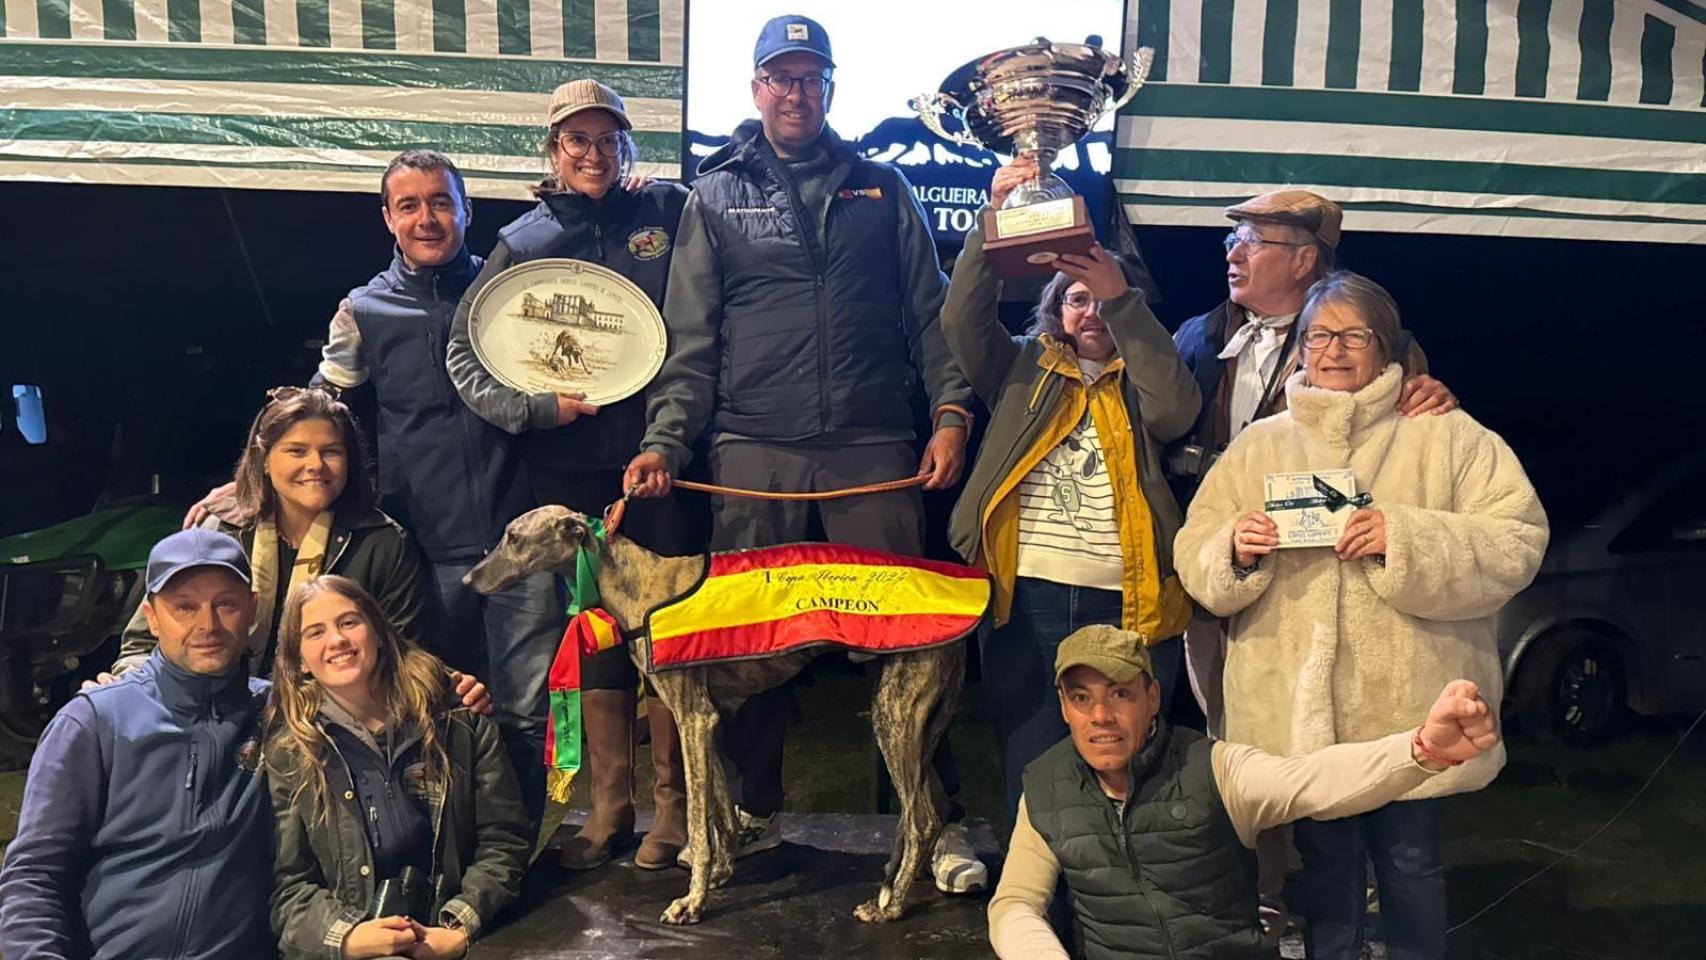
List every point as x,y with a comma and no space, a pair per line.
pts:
576,450
1066,506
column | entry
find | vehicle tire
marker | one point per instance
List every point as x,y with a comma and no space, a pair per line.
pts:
1580,698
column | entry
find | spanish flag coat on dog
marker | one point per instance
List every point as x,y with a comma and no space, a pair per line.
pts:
774,600
763,603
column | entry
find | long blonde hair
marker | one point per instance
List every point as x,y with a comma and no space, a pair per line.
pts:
410,682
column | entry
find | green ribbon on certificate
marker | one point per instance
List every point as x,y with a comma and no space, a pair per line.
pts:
1330,497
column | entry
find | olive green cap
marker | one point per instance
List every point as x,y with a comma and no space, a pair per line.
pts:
1119,655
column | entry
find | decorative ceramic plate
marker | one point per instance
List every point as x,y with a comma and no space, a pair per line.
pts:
568,326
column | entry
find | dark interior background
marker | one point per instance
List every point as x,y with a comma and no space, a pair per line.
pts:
154,318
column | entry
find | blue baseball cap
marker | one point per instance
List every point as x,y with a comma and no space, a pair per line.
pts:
788,33
188,549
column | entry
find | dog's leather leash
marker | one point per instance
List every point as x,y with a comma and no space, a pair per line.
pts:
613,513
863,488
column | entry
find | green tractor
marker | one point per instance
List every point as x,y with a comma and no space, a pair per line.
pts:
66,592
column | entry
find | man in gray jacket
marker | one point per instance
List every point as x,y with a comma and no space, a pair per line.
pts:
802,313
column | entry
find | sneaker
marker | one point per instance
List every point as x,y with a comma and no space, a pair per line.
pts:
957,868
757,834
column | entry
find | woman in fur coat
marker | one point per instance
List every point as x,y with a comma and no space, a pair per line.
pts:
1335,645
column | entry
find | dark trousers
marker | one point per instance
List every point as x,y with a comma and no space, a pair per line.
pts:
1018,670
1402,840
660,526
892,521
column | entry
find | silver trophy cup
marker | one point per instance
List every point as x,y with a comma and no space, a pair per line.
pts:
1035,100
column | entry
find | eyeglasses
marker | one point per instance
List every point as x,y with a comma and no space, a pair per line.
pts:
577,145
1356,338
1251,242
1079,300
780,85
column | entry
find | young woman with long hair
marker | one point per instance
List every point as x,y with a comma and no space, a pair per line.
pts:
305,506
400,827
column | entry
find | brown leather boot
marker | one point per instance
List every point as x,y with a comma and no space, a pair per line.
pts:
669,826
608,716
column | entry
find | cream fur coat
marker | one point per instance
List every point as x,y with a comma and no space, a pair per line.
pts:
1322,651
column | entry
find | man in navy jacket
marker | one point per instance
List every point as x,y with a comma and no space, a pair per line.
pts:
146,829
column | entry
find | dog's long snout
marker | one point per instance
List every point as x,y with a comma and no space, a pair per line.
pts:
498,570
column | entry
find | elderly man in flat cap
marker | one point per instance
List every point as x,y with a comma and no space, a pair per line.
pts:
1243,351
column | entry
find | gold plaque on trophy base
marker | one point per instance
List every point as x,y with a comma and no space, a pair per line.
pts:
1026,241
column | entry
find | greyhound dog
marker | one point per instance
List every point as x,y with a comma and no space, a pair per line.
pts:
915,698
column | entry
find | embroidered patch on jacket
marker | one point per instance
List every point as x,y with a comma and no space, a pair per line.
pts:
249,755
752,210
648,243
869,193
418,784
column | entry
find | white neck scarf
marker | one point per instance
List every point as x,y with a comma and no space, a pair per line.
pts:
1255,326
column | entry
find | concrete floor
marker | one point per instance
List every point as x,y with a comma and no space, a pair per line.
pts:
792,903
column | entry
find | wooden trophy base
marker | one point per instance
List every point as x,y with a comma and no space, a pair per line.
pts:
1025,241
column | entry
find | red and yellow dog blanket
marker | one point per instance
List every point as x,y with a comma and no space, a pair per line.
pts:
762,603
775,600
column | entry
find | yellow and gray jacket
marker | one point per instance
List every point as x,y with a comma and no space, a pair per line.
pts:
1036,394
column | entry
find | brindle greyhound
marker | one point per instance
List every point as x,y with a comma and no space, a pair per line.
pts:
915,698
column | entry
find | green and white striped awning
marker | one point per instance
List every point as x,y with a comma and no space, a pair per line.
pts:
319,94
1581,119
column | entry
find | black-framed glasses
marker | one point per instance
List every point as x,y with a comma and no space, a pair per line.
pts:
1252,242
780,85
1079,300
1356,338
577,145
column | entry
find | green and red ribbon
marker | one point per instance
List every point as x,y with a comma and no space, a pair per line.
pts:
590,631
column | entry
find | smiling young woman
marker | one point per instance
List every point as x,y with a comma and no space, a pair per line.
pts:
366,741
575,450
305,506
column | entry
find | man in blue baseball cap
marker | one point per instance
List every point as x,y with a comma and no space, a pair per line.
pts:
146,828
801,309
143,814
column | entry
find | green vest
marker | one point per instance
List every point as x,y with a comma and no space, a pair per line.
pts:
1167,879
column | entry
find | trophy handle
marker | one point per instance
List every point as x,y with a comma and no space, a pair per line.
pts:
931,106
1137,67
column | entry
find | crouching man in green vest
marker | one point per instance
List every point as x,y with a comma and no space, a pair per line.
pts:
1153,827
